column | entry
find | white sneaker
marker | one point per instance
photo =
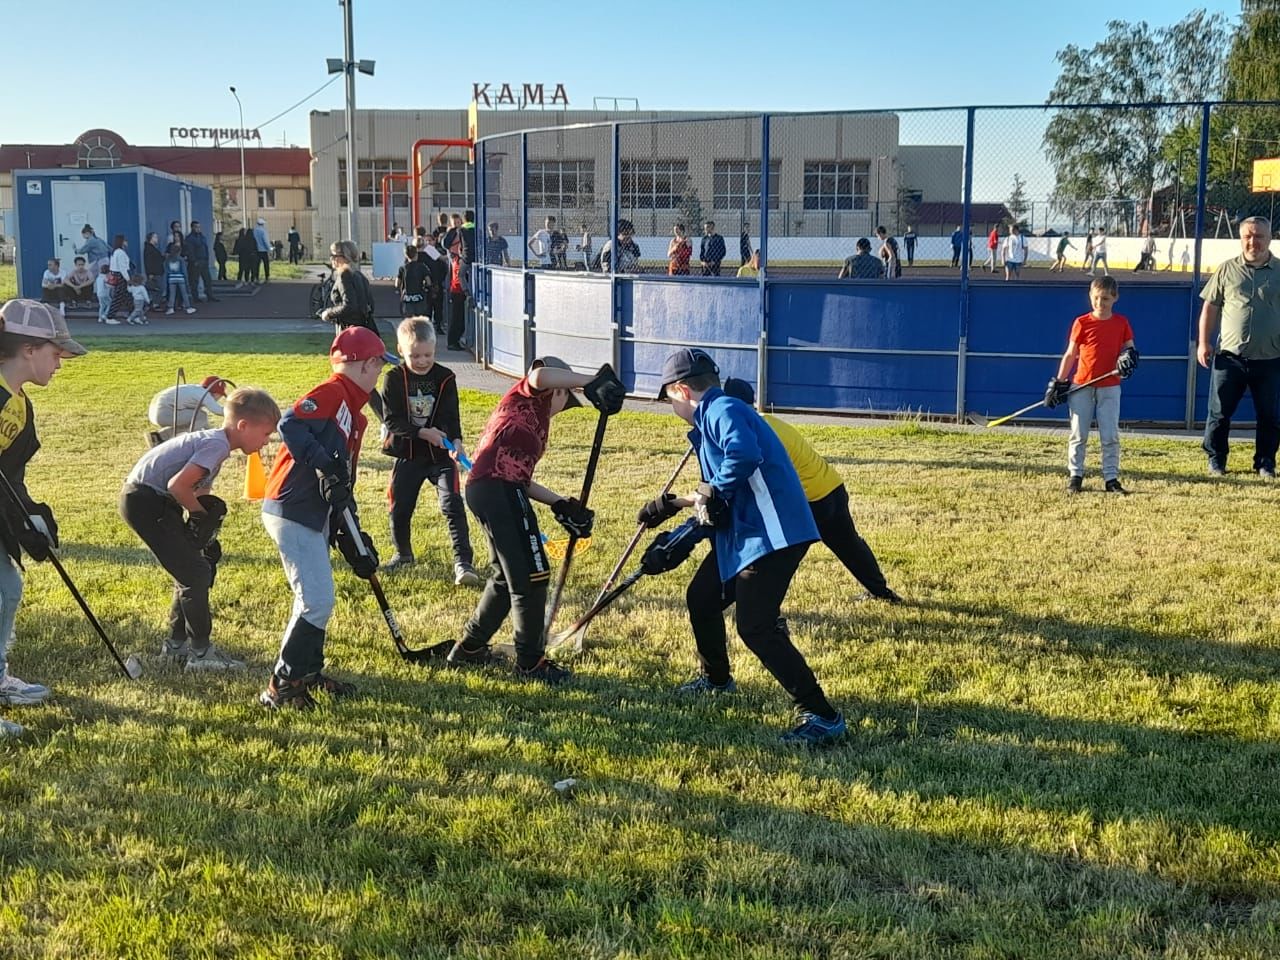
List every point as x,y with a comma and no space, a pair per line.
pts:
10,729
191,309
112,321
167,313
19,693
211,658
464,575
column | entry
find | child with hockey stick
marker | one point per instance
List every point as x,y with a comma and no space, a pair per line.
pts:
500,491
34,341
1100,340
752,497
420,402
178,475
307,502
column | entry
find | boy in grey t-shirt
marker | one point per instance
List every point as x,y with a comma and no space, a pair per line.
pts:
176,475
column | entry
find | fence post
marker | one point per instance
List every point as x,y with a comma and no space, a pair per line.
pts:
966,255
529,351
615,302
762,365
1193,338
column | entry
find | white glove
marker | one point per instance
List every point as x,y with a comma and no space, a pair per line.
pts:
37,521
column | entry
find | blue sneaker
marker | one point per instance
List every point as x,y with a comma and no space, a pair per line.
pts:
813,731
700,685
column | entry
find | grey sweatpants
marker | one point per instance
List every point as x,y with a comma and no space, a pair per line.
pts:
1102,404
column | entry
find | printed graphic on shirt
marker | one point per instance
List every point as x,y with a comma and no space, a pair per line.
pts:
421,406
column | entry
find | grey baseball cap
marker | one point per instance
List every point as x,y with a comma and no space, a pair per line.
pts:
31,318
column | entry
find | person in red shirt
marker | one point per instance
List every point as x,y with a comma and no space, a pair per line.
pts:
500,492
679,250
993,244
1100,341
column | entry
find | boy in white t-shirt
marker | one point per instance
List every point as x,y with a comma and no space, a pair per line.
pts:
53,286
540,243
138,290
102,290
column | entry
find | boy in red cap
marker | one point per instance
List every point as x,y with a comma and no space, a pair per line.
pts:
307,501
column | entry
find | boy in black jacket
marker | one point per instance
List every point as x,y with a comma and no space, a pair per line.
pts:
420,403
413,281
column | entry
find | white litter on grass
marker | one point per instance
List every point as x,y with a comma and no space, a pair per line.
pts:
564,787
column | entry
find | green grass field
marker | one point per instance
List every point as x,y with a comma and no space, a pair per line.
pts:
1063,746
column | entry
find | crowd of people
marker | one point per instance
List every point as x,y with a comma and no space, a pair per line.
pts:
435,279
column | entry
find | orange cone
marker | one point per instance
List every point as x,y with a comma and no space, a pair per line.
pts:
255,478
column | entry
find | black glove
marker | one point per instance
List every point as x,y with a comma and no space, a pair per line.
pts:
203,527
657,510
33,540
672,547
42,511
1056,392
1127,363
574,517
605,391
212,552
335,484
363,564
715,511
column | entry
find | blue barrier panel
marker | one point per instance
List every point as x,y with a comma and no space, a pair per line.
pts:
659,316
883,347
1017,332
507,320
573,319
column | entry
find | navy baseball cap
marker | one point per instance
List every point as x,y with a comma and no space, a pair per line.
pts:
683,364
740,390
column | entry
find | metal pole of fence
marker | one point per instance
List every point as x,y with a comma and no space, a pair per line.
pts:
762,364
480,263
527,345
966,224
615,190
1193,337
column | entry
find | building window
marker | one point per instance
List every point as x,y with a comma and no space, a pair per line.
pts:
735,184
369,174
266,197
306,196
97,152
452,184
836,184
653,184
561,183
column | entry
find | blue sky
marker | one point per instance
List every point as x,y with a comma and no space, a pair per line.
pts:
166,64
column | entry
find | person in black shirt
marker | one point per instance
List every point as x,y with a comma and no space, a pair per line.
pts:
350,297
420,404
711,251
220,255
438,268
413,281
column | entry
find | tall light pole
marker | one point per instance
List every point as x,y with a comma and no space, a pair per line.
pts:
349,65
877,217
244,191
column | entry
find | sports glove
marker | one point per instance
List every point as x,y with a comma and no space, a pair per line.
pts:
42,519
203,527
1127,363
1056,392
335,483
672,547
605,391
40,536
657,510
574,517
712,510
363,564
213,553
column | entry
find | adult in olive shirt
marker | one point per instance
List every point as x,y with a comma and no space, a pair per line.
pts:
1242,304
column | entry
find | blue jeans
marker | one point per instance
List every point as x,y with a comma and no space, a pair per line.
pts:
1231,376
10,598
176,286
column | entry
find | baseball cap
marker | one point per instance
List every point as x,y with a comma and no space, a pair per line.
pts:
359,343
683,364
214,385
31,318
262,220
740,390
556,363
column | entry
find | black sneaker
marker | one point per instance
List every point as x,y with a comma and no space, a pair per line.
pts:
1113,486
462,656
398,561
548,671
1266,473
338,689
287,694
889,596
1075,485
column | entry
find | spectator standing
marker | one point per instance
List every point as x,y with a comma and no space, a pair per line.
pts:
396,232
295,245
1088,251
468,229
1060,257
153,267
93,248
1242,308
909,241
104,291
584,247
246,252
862,265
413,281
540,243
350,296
957,244
744,242
1015,253
628,250
138,291
679,252
495,247
711,251
1099,254
889,254
197,254
175,235
438,267
993,244
175,280
263,243
559,248
121,271
220,255
457,303
1147,258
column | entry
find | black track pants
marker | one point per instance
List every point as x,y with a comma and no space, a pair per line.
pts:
835,526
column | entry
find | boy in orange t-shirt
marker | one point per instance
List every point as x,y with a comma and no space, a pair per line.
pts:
1100,341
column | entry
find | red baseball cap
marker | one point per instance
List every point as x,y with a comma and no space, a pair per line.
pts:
359,343
215,385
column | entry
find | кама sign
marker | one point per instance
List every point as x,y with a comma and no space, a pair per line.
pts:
531,94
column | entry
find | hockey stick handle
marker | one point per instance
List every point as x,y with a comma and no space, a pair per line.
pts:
1032,406
353,530
597,442
463,460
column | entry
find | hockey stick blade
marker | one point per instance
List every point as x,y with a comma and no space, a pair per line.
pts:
576,632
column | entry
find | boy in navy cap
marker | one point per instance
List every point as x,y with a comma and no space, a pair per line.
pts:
752,500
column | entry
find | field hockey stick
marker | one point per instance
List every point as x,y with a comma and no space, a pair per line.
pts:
397,636
594,459
579,632
1027,409
579,628
131,667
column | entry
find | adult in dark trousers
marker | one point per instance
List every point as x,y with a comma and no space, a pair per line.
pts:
295,244
957,244
197,254
246,258
153,266
468,229
263,245
350,296
745,249
220,255
711,251
438,267
1242,306
909,241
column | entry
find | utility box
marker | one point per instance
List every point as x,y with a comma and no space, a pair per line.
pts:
52,206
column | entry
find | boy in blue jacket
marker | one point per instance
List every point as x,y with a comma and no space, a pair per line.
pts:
753,500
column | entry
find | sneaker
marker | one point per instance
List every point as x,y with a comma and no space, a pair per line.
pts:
287,694
1113,486
1075,484
464,575
179,650
338,689
19,693
191,310
1266,473
813,731
461,656
211,658
167,313
890,596
10,729
1215,470
112,321
397,561
548,671
701,684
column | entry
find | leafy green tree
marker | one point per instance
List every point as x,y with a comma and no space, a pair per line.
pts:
1017,204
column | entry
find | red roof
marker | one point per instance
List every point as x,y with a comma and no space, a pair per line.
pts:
223,160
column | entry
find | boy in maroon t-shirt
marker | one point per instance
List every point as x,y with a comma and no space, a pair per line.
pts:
499,493
1100,341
